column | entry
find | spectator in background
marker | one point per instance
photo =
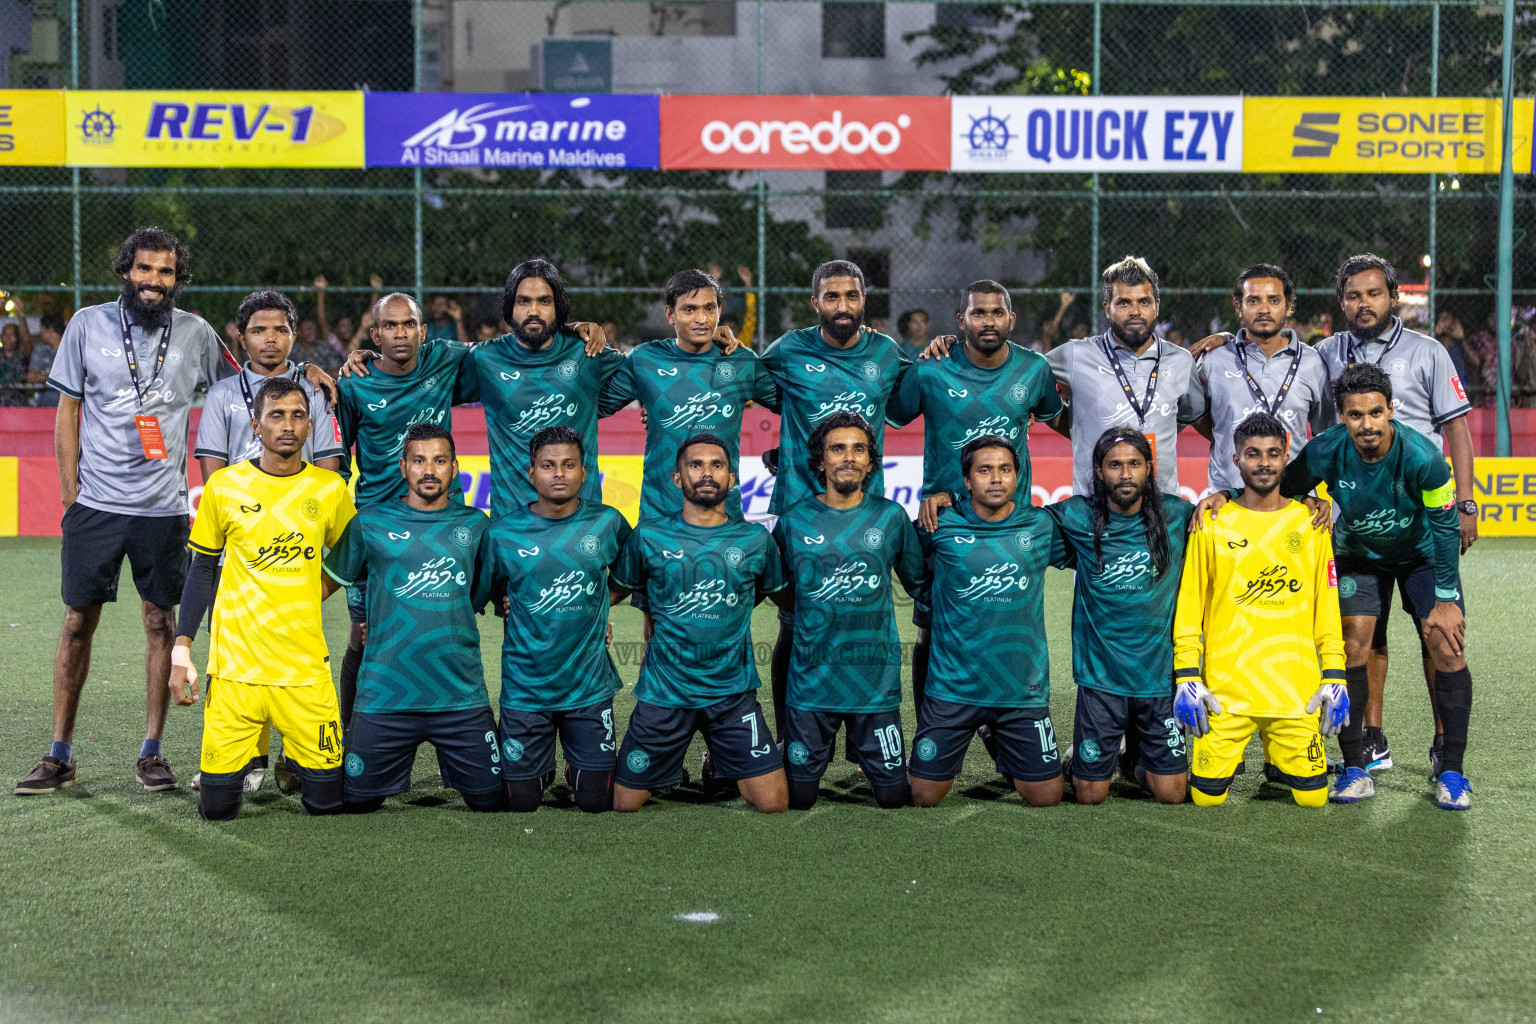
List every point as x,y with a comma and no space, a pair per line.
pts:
912,329
14,356
50,330
1482,356
489,329
232,339
344,338
741,310
610,328
1174,335
1522,379
1450,333
447,321
312,348
1050,330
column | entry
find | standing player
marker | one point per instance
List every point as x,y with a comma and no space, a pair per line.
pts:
988,386
421,679
837,366
1258,614
840,548
1127,544
1266,369
703,572
990,663
267,659
553,560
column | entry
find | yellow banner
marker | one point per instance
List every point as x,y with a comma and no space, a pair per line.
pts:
1505,490
150,128
1368,135
32,127
9,498
621,481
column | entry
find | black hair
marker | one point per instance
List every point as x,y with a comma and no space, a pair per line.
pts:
685,281
559,434
1132,270
545,271
266,298
378,307
152,239
1361,379
968,453
1263,270
690,441
276,388
51,322
836,268
1359,265
987,287
816,444
1258,424
905,319
427,432
1151,498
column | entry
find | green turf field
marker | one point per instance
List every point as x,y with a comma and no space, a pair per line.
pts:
116,904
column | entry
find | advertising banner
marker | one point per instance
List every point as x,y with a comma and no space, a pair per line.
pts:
525,130
1096,133
835,133
31,127
1505,490
1381,135
151,128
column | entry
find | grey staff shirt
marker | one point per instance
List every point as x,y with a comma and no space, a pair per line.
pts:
1426,391
1219,374
92,367
224,432
1098,401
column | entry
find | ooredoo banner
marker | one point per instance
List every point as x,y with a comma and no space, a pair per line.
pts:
834,133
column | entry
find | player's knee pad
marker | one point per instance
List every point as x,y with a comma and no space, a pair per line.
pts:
487,803
1310,797
219,798
802,795
592,791
891,796
1208,792
365,806
524,795
320,792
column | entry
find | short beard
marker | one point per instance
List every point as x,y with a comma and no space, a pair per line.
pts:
842,332
545,333
1376,330
1262,491
692,496
1252,333
1132,339
1114,500
150,316
986,347
847,487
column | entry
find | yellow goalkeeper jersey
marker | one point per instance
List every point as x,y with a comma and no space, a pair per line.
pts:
1259,605
274,529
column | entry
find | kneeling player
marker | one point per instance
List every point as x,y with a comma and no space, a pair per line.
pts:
1127,543
989,665
552,559
421,680
1259,605
702,572
840,548
267,659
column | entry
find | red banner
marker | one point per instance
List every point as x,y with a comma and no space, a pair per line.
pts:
835,133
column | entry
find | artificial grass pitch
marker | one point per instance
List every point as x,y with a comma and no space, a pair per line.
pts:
116,904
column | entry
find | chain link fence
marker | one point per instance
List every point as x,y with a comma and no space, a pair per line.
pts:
919,236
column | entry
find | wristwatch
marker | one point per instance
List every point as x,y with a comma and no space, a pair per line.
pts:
1467,507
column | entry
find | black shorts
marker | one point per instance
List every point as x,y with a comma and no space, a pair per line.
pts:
95,543
1367,589
528,740
639,601
922,610
357,601
657,739
1026,740
874,743
381,748
1103,718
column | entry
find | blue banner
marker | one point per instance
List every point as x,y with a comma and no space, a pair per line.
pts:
534,131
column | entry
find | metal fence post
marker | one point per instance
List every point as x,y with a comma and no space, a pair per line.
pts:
74,172
416,17
1434,198
1506,269
1093,244
762,206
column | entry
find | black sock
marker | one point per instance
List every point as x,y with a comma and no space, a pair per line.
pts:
778,675
1453,699
350,663
1352,736
802,795
920,653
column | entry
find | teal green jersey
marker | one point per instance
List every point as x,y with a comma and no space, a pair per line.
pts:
702,583
960,401
847,654
1394,512
376,410
554,655
525,390
427,578
988,598
1122,607
685,393
815,380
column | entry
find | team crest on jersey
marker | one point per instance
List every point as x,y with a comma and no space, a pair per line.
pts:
589,544
871,370
1024,540
798,752
926,749
1399,365
873,538
638,761
430,384
567,370
1018,393
733,556
725,372
1293,541
462,535
173,356
512,749
311,509
354,765
1088,750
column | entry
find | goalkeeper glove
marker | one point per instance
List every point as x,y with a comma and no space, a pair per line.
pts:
1191,703
1333,698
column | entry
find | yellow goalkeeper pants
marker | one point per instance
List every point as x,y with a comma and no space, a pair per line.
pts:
1292,745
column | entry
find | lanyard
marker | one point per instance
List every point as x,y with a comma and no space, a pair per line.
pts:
1285,386
1145,406
245,390
133,359
1349,346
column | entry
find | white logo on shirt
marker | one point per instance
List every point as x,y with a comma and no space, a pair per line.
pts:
705,596
526,553
809,367
514,375
703,407
968,539
814,540
844,582
112,353
958,394
997,579
671,554
848,401
665,373
432,576
400,536
376,406
542,413
567,587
